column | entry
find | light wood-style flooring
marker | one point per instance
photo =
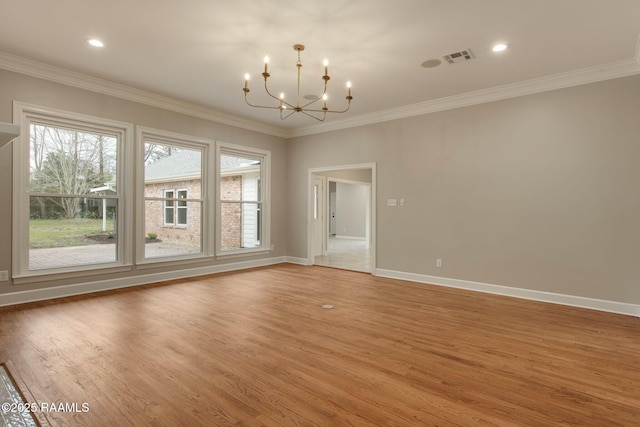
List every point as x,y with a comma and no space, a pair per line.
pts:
256,348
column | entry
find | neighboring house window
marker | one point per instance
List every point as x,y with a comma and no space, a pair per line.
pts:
169,208
243,204
175,190
181,220
69,185
175,208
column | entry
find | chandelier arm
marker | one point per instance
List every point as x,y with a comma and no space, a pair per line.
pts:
313,110
318,98
310,102
291,113
267,106
297,108
340,111
260,106
324,115
280,100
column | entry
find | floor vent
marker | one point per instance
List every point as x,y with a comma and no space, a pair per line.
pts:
462,56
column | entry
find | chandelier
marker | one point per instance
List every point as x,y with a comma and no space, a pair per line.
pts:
287,109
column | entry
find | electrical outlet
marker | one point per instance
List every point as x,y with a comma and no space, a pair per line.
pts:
273,247
4,276
439,263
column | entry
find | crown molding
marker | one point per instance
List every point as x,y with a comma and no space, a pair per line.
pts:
528,87
55,74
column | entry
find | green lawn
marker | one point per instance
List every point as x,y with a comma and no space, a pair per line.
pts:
56,233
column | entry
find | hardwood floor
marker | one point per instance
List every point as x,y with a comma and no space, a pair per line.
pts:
256,348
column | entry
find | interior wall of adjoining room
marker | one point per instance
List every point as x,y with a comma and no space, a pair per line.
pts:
26,89
537,192
351,210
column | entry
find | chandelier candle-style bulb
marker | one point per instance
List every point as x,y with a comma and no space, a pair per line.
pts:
308,109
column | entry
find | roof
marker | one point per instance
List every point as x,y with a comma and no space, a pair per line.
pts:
187,164
182,165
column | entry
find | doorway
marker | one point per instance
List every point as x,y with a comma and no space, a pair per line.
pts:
342,217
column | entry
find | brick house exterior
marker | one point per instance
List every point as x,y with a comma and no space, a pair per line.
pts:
156,219
178,221
230,225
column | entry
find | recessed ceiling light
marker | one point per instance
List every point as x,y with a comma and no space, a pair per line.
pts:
431,63
95,42
499,47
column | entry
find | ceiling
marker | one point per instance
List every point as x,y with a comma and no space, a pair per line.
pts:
197,51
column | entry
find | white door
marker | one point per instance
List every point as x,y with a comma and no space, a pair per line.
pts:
317,215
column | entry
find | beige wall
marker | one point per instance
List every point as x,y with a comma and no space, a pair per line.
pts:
23,88
537,192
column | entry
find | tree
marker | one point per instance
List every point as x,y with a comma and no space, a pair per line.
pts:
154,152
68,162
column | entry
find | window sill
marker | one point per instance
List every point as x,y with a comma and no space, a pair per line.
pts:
148,263
45,276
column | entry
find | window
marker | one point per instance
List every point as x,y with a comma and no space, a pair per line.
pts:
175,191
168,208
182,208
242,208
69,188
175,201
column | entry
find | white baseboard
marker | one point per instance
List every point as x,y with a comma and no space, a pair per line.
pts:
297,260
570,300
346,237
21,297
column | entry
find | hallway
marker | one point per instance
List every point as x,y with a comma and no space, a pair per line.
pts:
348,254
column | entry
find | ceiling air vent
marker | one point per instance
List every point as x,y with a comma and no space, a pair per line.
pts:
462,56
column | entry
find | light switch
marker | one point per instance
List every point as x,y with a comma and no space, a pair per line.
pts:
392,202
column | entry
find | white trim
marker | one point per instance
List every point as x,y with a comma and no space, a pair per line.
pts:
528,87
582,76
342,237
265,198
22,297
296,260
550,297
206,147
83,81
372,202
23,114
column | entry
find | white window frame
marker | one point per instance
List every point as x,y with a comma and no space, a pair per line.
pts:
146,134
178,207
264,202
24,114
172,206
175,207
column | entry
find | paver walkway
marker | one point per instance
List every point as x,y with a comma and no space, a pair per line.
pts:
97,254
